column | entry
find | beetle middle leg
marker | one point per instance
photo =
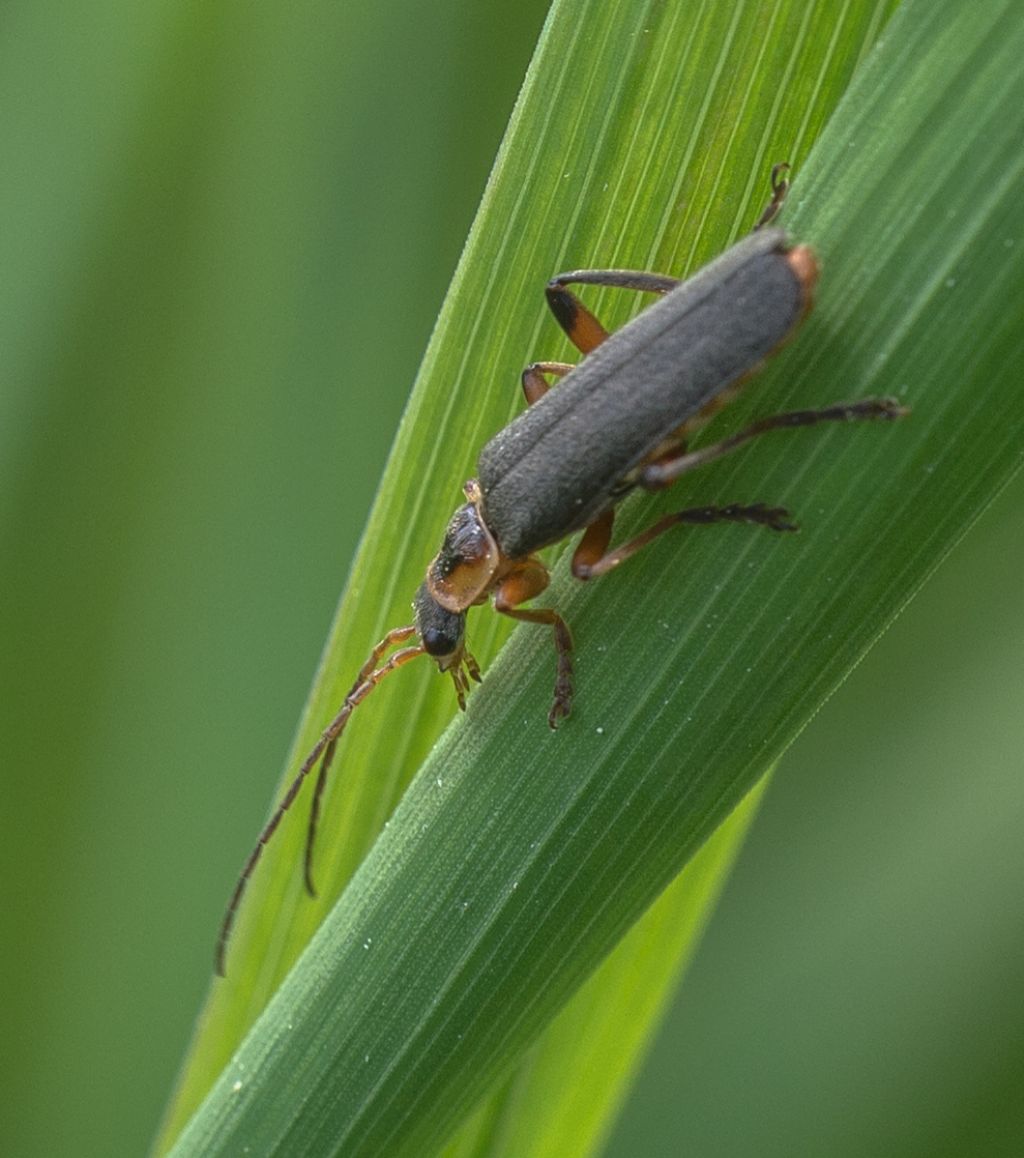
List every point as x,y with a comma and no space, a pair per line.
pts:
591,560
535,385
527,579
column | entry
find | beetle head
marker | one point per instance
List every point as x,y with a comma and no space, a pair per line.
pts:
441,631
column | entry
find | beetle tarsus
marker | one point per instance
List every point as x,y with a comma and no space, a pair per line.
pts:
774,518
780,189
560,709
564,682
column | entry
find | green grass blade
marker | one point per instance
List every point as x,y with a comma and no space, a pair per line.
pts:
517,858
563,1097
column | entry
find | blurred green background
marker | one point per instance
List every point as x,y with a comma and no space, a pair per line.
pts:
226,232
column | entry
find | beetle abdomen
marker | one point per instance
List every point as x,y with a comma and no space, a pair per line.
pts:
562,462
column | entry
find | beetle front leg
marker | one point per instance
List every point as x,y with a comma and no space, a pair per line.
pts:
526,580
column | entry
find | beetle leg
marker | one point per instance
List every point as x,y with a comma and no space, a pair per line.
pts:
594,544
585,332
535,385
775,518
472,667
461,678
528,578
659,474
780,187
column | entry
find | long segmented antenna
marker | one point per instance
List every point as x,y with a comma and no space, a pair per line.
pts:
359,692
369,676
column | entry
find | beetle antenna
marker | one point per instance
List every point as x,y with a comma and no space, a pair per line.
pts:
369,676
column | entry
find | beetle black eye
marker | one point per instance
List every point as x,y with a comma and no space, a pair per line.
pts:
439,642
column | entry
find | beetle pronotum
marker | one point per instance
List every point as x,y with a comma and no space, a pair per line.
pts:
619,420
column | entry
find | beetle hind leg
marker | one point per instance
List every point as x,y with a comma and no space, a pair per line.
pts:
780,189
535,385
582,327
662,472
